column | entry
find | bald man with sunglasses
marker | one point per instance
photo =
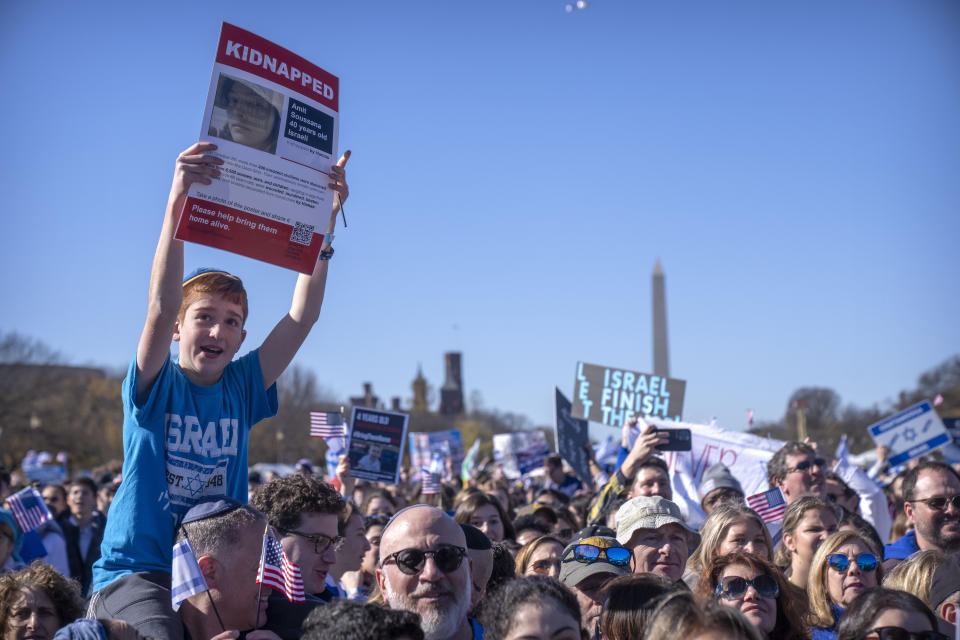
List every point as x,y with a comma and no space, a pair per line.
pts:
424,568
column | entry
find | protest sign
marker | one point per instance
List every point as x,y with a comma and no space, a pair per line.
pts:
376,444
745,454
572,437
612,396
47,474
274,118
424,447
520,452
910,433
952,425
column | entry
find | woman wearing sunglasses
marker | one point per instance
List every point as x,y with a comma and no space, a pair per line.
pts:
885,614
756,588
540,556
806,524
729,528
844,566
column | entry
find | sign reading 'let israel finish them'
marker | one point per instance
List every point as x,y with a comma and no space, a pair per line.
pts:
612,396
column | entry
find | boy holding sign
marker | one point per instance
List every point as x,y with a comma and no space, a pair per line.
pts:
187,423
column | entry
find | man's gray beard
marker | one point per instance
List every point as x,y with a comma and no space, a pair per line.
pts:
437,624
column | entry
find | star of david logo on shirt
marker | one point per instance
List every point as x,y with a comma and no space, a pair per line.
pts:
193,485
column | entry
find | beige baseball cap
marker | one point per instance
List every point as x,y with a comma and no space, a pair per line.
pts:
651,512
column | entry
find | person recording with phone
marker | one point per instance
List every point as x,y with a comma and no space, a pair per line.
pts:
642,473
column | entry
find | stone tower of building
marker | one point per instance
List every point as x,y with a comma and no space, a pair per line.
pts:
451,393
420,392
661,358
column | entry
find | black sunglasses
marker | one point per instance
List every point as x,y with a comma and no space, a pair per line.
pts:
806,464
940,504
840,563
448,558
899,633
734,587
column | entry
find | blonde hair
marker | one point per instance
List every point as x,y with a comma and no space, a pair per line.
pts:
526,551
820,612
791,520
715,530
915,575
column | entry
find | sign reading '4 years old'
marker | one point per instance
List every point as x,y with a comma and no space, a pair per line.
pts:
910,433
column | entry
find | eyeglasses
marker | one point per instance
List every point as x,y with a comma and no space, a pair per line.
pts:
806,464
589,553
734,587
940,504
840,563
448,558
320,542
375,521
899,633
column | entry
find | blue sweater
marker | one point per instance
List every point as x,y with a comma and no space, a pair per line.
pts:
830,633
902,548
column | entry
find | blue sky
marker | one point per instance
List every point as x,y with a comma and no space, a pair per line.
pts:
517,170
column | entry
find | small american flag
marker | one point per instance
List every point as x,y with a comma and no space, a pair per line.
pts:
278,572
327,424
29,509
431,483
769,505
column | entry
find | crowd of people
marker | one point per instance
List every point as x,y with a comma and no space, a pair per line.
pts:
859,554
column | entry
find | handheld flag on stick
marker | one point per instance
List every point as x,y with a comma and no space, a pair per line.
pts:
769,505
187,578
327,424
470,461
29,509
278,572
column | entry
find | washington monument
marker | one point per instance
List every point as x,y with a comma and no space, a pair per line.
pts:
661,359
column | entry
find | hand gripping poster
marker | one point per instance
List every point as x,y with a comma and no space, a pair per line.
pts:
274,118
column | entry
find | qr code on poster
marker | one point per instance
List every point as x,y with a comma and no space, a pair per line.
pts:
302,234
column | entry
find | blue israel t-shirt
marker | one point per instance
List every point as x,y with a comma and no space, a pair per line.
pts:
185,442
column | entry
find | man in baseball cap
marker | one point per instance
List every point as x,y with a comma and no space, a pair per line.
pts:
586,566
653,529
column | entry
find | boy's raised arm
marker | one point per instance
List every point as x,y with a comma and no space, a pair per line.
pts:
166,277
282,344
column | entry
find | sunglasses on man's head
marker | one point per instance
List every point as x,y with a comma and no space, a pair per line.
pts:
448,558
940,504
588,553
735,587
840,563
899,633
807,464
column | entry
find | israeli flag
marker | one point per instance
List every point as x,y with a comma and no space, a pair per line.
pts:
187,579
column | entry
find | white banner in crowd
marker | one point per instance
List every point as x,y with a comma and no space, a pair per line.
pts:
745,454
